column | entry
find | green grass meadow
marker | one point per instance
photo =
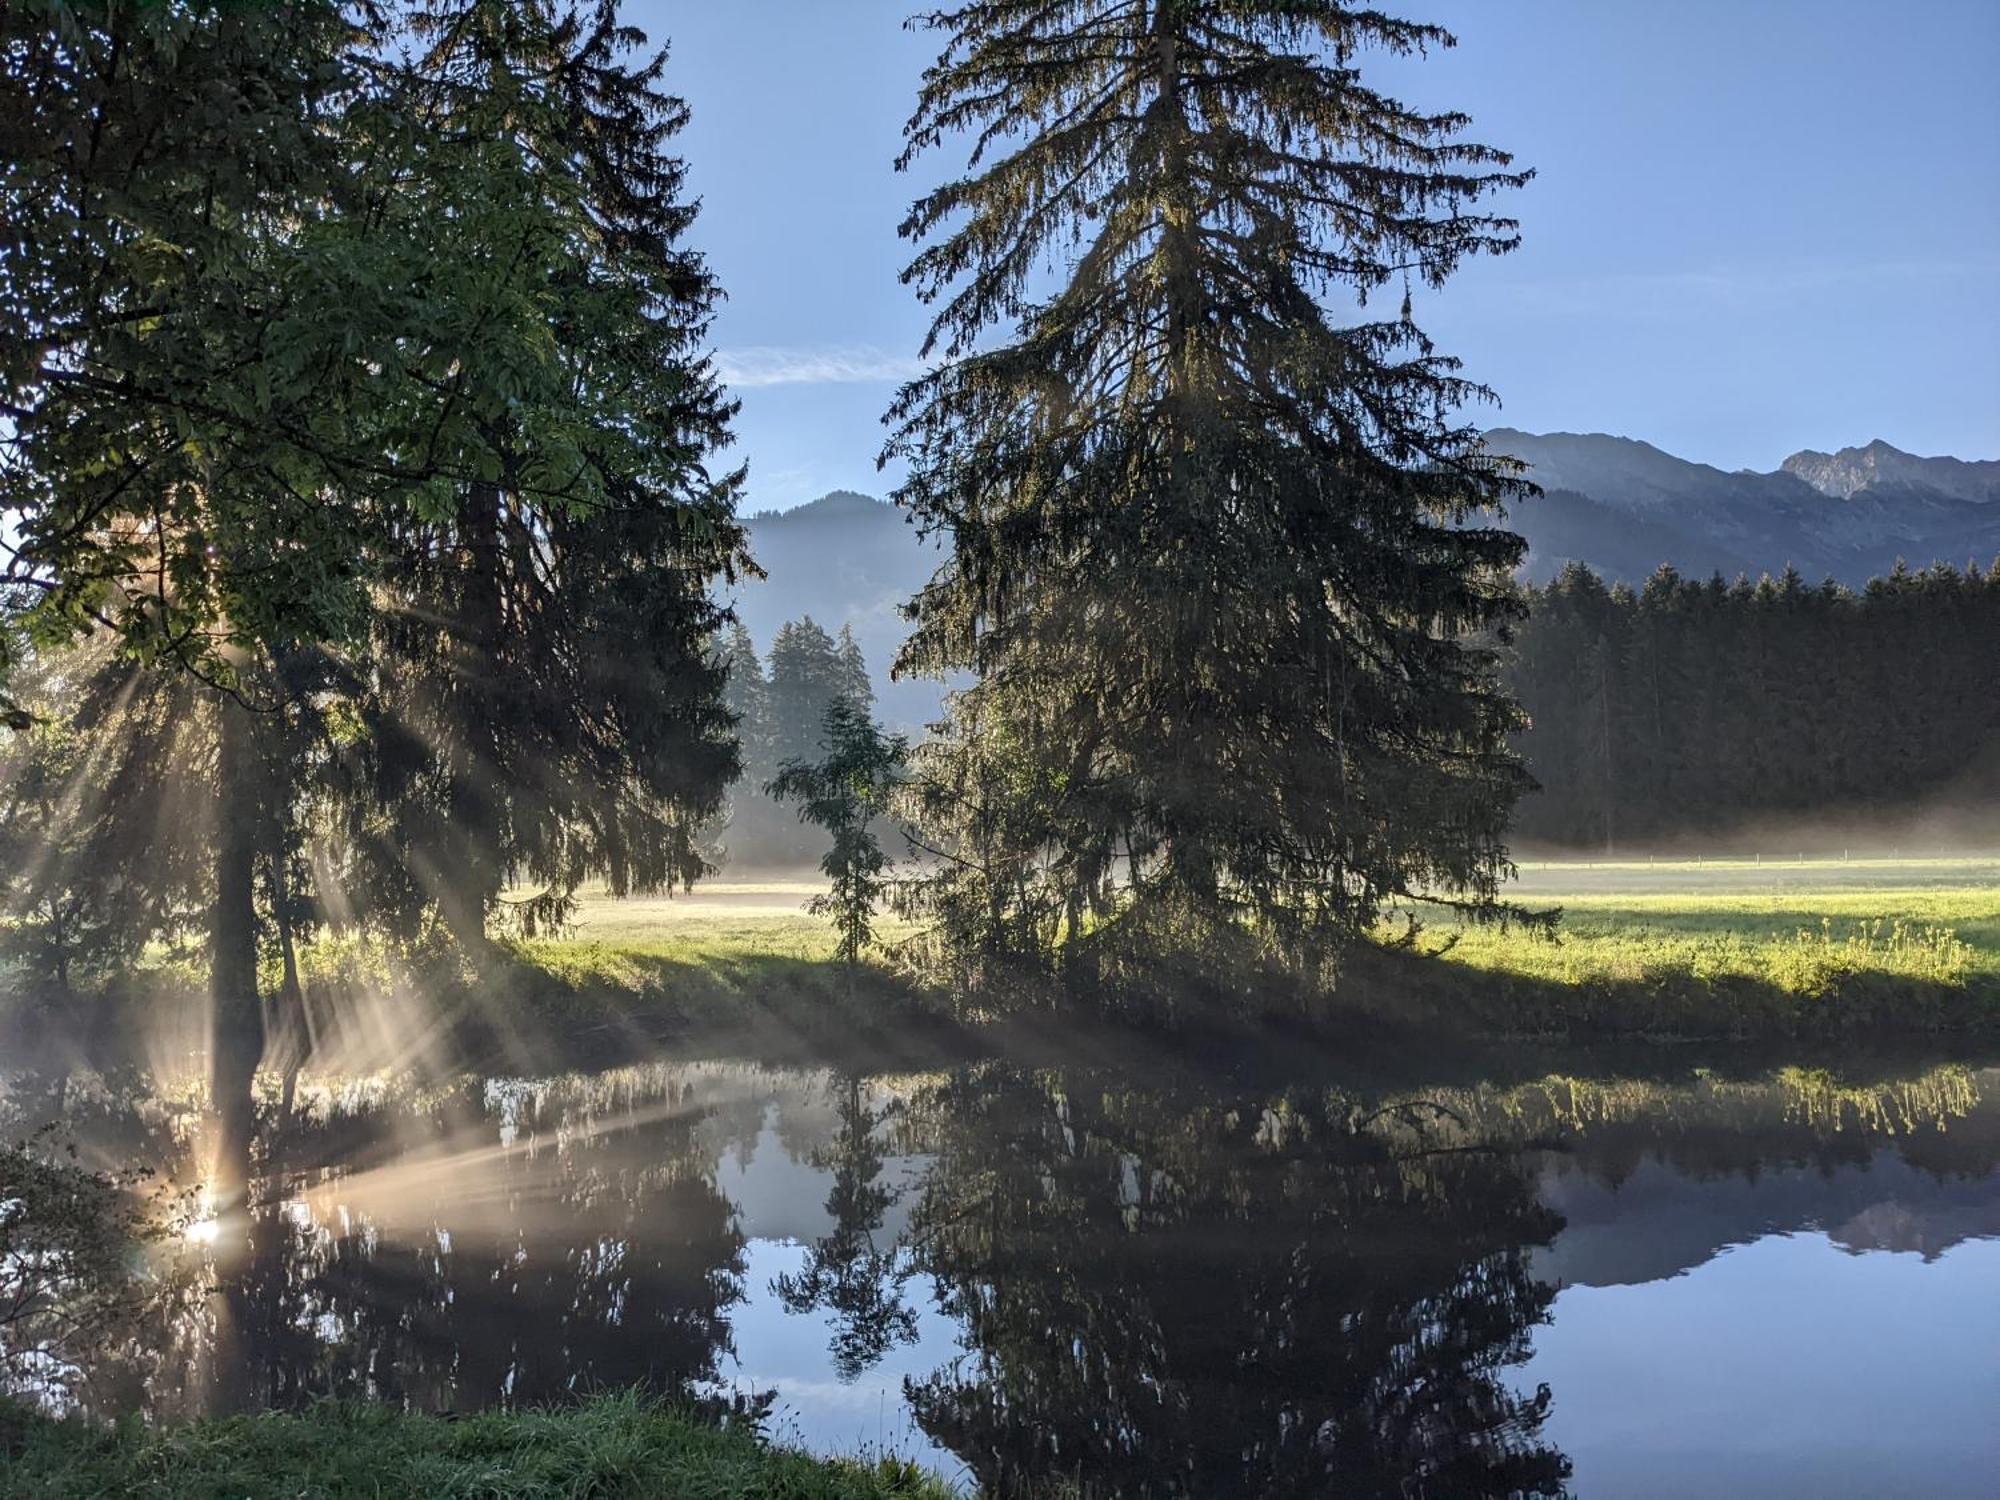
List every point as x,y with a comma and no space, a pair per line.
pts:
1673,947
1643,949
1884,942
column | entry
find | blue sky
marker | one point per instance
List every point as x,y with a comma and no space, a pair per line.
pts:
1758,225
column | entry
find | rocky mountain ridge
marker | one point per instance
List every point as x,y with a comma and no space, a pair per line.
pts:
1624,507
1881,466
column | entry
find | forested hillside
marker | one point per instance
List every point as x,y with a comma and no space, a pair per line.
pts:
1724,684
1620,507
850,562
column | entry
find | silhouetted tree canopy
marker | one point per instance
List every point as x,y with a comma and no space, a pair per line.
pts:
355,369
1219,558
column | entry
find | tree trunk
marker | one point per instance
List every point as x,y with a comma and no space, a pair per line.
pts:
1610,779
236,1017
470,875
291,996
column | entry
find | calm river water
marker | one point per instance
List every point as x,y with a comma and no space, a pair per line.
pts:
1775,1282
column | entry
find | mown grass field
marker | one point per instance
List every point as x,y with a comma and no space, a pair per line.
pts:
727,945
1927,919
1619,920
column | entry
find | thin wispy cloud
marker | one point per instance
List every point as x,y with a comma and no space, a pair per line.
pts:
1729,289
777,364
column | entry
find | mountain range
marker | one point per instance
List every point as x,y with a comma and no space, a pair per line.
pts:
1624,507
1621,506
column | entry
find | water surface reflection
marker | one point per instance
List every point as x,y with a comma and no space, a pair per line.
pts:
1186,1285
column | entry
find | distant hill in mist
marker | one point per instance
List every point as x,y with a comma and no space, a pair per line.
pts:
844,559
1617,504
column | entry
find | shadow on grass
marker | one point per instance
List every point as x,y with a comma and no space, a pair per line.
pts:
1388,1002
562,1005
590,1002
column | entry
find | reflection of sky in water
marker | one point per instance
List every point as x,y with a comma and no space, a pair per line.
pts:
785,1351
1709,1338
1789,1366
780,1197
1767,1287
781,1203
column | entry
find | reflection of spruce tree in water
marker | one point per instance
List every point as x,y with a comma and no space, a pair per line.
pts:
1166,1299
623,1276
847,1273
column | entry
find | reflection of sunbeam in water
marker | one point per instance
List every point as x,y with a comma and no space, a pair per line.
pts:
463,1184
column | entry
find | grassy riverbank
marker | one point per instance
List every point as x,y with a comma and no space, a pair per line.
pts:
1721,948
1667,950
1696,949
1710,948
613,1446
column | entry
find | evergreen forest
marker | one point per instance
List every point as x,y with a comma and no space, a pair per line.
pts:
1687,712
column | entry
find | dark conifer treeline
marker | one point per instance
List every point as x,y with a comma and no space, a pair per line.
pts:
1689,710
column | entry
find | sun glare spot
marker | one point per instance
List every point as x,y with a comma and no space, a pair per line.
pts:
204,1228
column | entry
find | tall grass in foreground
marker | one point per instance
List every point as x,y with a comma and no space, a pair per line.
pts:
1818,959
613,1446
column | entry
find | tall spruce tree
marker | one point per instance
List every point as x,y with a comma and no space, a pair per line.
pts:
854,684
806,677
752,825
1219,560
748,696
